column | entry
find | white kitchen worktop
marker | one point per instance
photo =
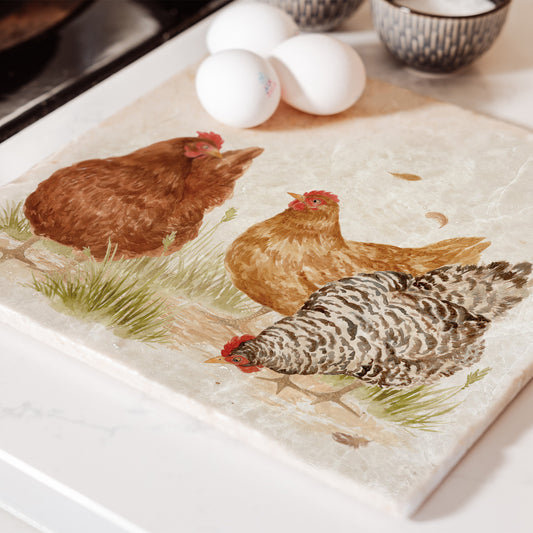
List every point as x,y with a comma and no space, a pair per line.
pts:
83,453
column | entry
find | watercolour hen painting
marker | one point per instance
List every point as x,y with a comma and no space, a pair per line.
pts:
350,294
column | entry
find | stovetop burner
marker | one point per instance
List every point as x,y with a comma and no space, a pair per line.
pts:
38,76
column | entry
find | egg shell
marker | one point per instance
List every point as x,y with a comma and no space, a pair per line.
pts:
319,74
252,26
238,88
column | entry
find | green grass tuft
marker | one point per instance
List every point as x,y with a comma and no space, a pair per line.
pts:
100,292
196,272
130,295
475,376
14,223
422,407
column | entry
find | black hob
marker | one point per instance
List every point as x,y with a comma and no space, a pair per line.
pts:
98,39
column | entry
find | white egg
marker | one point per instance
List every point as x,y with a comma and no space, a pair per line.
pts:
319,74
238,88
252,26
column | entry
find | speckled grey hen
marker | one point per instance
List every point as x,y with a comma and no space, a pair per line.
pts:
388,328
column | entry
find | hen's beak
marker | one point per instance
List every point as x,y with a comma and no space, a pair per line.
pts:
297,196
219,360
217,154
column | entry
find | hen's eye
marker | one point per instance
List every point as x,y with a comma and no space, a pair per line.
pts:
205,147
236,359
315,201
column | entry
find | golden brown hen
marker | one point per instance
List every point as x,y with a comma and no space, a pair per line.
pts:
281,261
137,200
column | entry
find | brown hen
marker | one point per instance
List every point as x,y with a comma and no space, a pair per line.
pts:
281,261
133,202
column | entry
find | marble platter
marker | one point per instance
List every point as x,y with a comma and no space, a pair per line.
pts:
476,172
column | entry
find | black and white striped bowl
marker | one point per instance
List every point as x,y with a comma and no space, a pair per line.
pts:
317,15
436,43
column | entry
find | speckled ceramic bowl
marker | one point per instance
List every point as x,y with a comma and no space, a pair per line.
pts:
317,15
436,43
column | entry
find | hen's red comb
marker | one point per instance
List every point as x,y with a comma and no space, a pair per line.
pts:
233,343
330,195
215,138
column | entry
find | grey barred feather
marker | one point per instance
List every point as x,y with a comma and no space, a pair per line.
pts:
390,328
488,290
